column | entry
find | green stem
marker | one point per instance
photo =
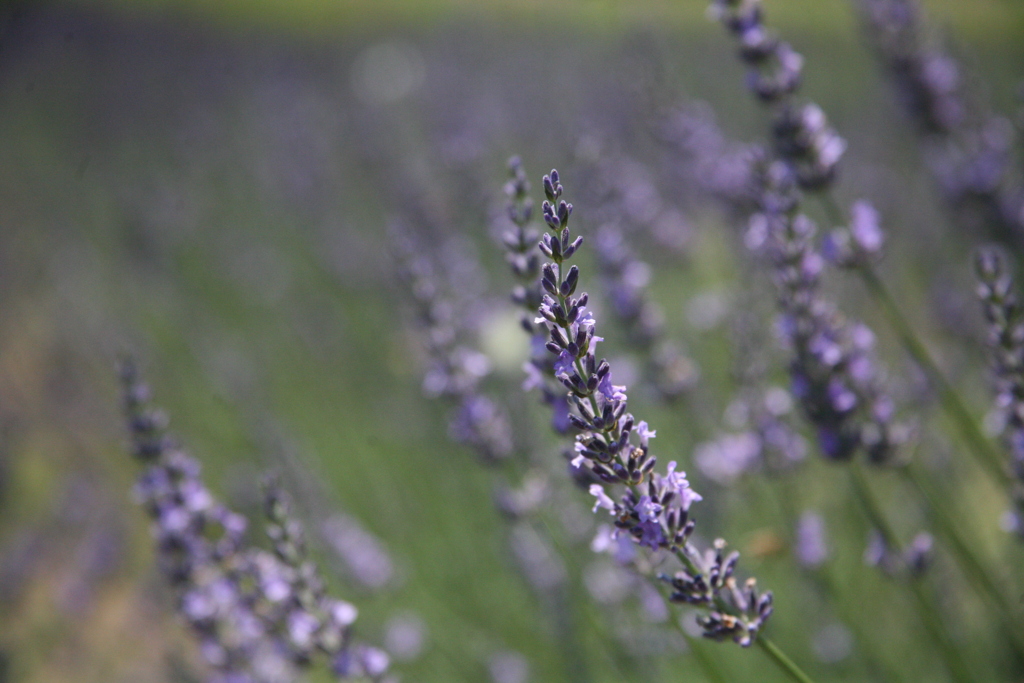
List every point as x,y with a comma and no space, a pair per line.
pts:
975,570
822,578
929,615
782,661
980,447
777,656
707,664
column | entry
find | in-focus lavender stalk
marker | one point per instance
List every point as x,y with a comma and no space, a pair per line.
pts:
522,488
259,616
969,148
521,254
653,508
1006,343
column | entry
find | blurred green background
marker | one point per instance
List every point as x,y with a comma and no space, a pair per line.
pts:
207,184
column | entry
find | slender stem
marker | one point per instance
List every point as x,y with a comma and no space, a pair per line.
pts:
973,569
707,664
929,615
980,447
782,661
822,578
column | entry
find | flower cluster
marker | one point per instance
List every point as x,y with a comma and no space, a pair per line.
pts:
1006,341
802,134
653,508
259,616
520,252
834,373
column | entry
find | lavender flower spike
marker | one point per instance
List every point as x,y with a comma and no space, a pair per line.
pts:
834,372
520,253
803,136
653,507
1006,341
259,616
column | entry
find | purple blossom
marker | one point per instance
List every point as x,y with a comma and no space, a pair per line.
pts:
652,535
811,547
609,391
648,510
564,364
603,501
646,434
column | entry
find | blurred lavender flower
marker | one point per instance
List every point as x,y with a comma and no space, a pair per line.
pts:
811,541
653,509
623,193
704,158
362,553
768,443
911,561
834,372
858,244
1006,343
625,280
970,149
508,667
802,134
258,615
456,368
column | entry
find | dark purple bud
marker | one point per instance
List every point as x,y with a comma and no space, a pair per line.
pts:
578,423
556,246
581,338
571,280
564,210
558,337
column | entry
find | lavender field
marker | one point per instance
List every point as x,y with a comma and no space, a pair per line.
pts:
312,368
